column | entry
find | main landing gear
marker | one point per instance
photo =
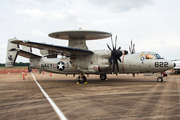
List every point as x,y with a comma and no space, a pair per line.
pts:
103,77
81,78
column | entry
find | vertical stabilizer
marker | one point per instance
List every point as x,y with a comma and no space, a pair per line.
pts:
11,53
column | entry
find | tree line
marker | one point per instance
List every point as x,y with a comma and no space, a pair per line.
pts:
16,64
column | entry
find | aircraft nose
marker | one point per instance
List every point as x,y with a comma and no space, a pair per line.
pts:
171,65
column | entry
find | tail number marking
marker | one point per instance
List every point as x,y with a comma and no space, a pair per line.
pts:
161,64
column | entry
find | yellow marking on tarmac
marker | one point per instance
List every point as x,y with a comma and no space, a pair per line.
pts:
141,54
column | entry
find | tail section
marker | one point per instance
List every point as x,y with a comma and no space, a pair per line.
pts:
11,54
13,50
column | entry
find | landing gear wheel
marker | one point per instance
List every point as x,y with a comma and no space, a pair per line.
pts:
82,79
159,79
103,77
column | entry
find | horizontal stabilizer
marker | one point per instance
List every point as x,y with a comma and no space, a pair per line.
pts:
27,54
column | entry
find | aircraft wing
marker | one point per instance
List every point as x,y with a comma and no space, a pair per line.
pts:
66,51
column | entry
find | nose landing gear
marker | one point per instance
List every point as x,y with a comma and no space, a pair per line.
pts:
163,74
160,79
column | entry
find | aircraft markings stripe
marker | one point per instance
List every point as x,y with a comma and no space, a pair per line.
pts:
141,54
58,111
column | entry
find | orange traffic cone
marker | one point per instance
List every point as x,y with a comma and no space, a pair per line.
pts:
23,75
26,72
43,72
50,74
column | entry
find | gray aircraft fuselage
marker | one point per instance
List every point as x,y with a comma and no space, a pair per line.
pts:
97,63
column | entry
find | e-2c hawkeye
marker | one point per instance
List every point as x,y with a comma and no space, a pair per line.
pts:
79,60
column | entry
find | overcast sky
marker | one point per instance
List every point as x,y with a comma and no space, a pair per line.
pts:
153,25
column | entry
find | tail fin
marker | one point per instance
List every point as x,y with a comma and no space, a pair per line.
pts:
11,54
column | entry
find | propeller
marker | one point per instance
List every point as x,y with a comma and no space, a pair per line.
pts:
132,48
115,55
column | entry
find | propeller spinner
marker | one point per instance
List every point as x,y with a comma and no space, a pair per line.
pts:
115,55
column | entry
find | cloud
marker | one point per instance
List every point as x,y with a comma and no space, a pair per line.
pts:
32,15
38,15
28,2
121,5
39,34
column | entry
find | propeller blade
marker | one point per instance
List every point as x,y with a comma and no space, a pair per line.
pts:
119,48
112,43
115,41
111,58
130,50
114,64
110,63
117,66
119,59
108,47
133,48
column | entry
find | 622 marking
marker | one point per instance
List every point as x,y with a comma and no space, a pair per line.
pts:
161,64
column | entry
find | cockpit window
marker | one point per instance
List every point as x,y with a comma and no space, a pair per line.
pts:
157,56
149,56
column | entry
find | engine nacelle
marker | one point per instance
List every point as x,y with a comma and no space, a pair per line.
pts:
93,68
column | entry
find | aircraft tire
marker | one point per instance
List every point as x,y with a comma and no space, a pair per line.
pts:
159,79
103,77
82,80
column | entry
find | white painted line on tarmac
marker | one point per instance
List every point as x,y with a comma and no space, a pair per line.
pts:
58,111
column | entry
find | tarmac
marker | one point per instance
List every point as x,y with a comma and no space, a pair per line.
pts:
121,97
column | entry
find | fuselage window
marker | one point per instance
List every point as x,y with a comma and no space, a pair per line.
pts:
149,56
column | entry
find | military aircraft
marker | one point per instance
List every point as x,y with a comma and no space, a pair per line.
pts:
79,60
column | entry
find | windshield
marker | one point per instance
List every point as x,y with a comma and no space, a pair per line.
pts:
157,56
